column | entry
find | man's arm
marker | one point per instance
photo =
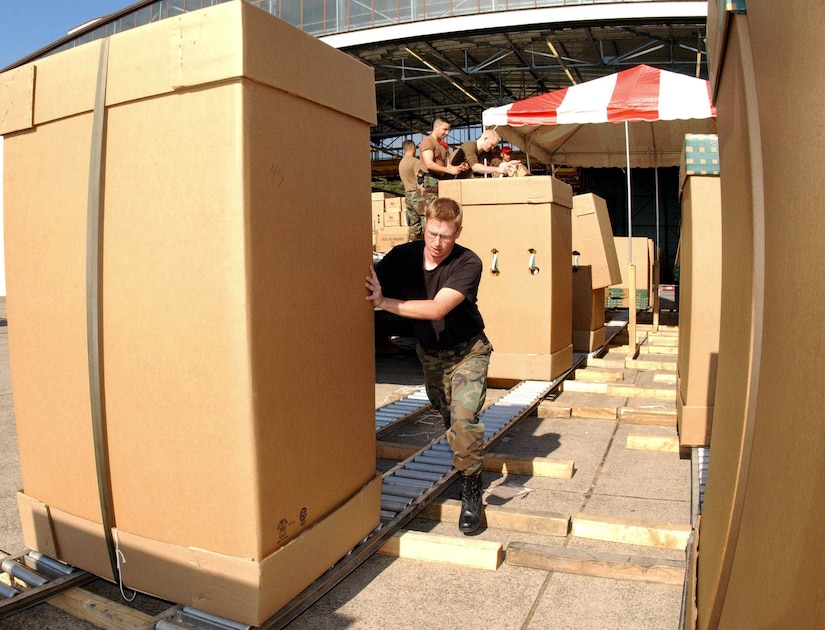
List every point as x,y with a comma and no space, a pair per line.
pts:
444,301
427,160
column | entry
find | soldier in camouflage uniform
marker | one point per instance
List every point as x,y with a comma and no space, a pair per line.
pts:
435,283
408,168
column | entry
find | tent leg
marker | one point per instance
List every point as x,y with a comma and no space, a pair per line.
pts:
632,345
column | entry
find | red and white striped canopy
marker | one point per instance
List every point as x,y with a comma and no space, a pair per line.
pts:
550,123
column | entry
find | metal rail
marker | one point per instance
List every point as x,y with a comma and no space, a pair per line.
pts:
33,578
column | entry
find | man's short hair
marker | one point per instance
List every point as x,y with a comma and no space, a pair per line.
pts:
407,145
440,121
489,133
445,209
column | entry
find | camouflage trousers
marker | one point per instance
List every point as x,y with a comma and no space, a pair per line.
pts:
415,220
456,382
416,205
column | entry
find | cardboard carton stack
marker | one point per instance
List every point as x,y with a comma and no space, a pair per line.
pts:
233,483
760,531
700,255
521,229
595,267
389,221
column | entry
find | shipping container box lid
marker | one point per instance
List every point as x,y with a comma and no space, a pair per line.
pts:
485,191
219,43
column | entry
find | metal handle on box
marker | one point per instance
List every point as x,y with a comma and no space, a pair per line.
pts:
532,264
494,266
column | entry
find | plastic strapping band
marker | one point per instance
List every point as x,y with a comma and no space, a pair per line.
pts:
121,560
94,221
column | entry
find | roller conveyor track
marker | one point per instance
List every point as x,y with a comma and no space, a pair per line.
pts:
391,416
31,578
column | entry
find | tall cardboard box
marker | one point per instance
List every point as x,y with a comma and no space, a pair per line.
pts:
760,563
593,239
589,333
700,306
521,229
595,267
234,483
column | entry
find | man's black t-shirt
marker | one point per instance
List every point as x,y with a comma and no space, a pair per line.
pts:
402,276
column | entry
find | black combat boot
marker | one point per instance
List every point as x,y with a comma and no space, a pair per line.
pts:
470,519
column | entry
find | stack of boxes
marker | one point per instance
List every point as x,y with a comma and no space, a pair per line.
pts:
389,222
760,528
700,255
595,267
521,229
233,483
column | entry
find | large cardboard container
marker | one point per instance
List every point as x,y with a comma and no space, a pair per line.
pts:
512,223
700,308
761,528
593,239
589,333
222,295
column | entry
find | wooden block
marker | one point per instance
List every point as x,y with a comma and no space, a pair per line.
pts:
605,565
594,412
651,349
99,611
659,417
504,517
624,530
648,364
464,551
659,339
394,450
598,375
651,442
615,389
532,466
548,409
615,364
668,378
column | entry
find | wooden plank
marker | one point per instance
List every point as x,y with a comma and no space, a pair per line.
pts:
652,364
651,349
493,462
658,417
464,551
603,565
616,364
616,389
598,375
504,517
549,409
665,377
653,442
597,412
394,450
632,532
531,466
99,611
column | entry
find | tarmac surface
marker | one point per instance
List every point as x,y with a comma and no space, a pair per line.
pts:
610,481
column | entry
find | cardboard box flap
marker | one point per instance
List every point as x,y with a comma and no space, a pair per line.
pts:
17,88
219,43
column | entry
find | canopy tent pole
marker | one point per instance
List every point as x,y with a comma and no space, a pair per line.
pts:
654,287
631,269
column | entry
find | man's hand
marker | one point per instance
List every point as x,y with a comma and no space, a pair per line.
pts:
374,287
